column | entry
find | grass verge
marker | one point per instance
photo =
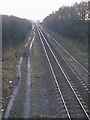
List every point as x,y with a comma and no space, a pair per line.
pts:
10,59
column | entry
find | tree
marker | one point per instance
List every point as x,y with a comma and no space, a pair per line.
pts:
70,21
14,30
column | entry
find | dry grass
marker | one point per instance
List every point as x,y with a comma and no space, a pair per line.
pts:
10,59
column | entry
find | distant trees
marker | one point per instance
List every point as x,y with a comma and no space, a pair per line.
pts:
14,30
70,21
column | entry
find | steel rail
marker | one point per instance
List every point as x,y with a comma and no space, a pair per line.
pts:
65,75
54,76
67,52
73,70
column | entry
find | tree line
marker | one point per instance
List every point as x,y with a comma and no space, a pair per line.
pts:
70,21
14,30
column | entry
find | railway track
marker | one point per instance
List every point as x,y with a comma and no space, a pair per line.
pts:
82,72
82,65
67,94
82,76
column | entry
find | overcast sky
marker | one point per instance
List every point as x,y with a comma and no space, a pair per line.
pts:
32,9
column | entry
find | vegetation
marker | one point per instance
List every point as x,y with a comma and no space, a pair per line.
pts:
15,33
70,21
14,30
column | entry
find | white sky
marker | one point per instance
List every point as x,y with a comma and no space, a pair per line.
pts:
32,9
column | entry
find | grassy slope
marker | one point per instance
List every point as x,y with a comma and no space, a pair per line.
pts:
10,60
